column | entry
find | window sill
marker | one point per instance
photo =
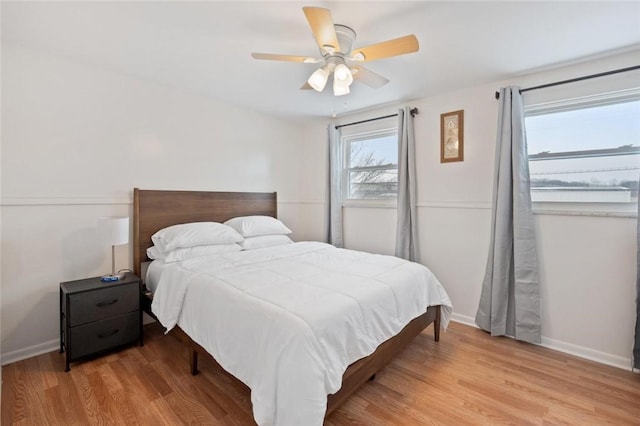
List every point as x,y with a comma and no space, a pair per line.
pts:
626,210
375,204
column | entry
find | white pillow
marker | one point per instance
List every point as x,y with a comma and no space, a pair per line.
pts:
194,234
262,241
251,226
180,254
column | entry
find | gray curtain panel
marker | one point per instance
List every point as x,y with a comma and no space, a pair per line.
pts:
333,202
406,225
636,344
510,300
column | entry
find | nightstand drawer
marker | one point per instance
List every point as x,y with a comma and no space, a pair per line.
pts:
105,334
104,303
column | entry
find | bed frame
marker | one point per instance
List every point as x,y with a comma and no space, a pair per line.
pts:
154,210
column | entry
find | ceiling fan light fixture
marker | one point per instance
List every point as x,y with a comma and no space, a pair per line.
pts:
340,87
318,79
342,73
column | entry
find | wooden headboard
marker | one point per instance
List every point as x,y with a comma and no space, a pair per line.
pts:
154,210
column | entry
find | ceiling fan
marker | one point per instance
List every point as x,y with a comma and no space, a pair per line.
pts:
335,43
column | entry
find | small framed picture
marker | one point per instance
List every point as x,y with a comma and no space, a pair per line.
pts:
452,136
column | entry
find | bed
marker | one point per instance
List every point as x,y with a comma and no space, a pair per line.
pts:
155,209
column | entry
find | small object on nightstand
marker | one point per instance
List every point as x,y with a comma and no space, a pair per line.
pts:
97,316
109,278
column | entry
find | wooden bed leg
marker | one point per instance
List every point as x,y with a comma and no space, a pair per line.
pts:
193,362
436,325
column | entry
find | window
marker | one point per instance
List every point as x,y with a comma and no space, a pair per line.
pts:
371,165
586,153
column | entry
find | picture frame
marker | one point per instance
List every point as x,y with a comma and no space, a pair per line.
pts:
452,136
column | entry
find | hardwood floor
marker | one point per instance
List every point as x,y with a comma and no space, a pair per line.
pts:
466,378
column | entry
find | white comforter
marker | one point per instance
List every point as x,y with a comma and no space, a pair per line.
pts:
288,320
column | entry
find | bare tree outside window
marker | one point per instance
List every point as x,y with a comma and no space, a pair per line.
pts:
372,167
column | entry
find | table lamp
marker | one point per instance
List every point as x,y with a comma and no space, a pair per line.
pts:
115,231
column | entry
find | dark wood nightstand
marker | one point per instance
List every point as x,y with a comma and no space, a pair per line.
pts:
98,316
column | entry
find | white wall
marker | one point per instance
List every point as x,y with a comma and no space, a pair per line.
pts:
76,140
587,263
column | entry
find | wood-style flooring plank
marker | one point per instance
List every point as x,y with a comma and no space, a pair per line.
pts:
468,378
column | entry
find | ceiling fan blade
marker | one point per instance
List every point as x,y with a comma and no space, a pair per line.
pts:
368,77
289,58
386,49
321,24
306,86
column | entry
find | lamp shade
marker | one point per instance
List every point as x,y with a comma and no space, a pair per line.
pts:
342,73
340,88
318,79
114,229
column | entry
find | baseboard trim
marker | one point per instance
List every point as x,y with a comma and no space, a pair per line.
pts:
30,351
568,348
587,353
43,348
463,319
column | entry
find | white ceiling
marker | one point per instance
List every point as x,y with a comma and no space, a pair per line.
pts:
205,47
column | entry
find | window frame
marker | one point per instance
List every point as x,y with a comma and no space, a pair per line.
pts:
593,208
346,141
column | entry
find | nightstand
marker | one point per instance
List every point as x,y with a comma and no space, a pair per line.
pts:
98,316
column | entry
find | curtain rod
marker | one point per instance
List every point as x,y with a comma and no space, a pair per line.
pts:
413,111
573,80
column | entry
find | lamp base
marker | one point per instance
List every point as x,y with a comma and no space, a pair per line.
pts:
110,277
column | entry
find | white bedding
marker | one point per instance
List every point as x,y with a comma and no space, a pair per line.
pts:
153,274
288,320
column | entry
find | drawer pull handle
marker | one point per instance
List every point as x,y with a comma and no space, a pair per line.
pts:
103,304
103,335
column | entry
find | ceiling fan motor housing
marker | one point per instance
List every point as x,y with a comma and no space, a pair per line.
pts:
346,36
